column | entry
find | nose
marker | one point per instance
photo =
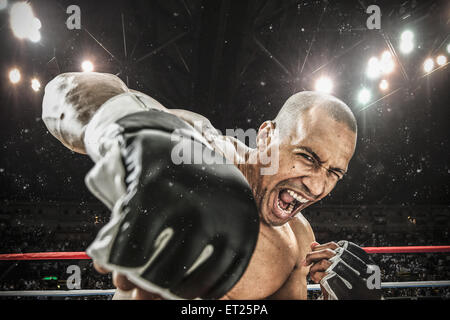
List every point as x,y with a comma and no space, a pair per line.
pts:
315,184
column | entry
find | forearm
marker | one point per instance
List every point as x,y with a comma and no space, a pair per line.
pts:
72,99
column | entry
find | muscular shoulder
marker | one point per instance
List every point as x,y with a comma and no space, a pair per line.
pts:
230,147
303,231
199,122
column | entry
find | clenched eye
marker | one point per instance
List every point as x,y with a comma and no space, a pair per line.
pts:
307,157
336,174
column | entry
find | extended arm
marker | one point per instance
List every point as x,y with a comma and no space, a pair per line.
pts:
72,99
170,232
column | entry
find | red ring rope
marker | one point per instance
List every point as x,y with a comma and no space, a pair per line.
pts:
45,256
82,255
409,249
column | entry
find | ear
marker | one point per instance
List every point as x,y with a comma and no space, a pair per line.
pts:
265,134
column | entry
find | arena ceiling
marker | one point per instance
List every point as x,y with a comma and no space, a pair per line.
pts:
236,62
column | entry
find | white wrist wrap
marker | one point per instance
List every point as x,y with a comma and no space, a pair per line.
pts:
101,129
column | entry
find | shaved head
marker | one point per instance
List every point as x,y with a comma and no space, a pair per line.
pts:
309,146
301,103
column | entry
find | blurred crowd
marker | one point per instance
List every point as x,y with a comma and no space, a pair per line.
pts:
52,275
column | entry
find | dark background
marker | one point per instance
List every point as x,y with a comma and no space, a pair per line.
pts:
236,62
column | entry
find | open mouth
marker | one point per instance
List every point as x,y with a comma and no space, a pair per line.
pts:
288,203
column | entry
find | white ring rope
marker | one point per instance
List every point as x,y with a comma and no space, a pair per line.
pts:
57,293
407,284
109,292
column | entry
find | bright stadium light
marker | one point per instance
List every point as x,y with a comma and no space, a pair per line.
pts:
14,76
441,60
406,42
387,62
87,66
34,35
35,84
406,47
364,96
23,22
373,68
407,35
384,85
3,4
324,84
20,16
428,65
448,48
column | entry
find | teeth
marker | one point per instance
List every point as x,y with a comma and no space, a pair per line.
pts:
278,204
297,197
288,210
290,207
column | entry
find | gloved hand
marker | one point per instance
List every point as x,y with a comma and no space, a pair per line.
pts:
347,276
181,231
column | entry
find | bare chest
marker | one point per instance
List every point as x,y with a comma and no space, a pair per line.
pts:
274,259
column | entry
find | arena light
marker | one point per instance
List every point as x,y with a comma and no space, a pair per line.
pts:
14,76
23,22
373,68
428,65
378,66
35,84
87,66
448,48
3,4
34,34
364,96
407,35
441,60
407,42
384,85
406,47
387,64
324,84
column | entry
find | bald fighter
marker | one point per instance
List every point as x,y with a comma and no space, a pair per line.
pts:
189,230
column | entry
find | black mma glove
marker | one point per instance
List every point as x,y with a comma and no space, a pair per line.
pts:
182,231
347,277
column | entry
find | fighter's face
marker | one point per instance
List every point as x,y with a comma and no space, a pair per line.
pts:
312,159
